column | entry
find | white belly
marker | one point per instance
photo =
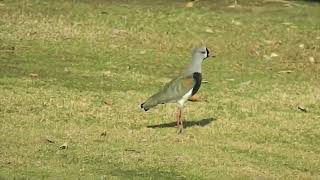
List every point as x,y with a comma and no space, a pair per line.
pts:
185,98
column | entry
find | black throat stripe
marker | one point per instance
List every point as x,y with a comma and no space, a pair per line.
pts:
197,78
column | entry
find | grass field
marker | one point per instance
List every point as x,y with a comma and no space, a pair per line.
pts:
75,73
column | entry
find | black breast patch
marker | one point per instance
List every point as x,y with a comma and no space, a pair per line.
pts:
197,78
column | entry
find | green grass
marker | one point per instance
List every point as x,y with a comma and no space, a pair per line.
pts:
76,72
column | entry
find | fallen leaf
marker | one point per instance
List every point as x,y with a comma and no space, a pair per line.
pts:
274,55
64,146
106,73
287,23
301,108
50,140
232,6
301,46
104,133
268,41
108,102
311,59
209,30
66,70
31,33
113,46
33,75
142,52
266,57
245,83
189,4
286,71
118,31
236,22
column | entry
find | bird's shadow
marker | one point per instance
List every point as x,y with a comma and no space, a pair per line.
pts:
186,124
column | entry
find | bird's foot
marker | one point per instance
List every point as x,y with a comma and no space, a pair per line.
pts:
179,127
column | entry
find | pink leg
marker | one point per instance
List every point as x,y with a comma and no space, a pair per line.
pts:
178,118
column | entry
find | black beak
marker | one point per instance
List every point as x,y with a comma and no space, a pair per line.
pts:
207,52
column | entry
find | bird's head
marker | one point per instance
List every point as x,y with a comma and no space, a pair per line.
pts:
201,53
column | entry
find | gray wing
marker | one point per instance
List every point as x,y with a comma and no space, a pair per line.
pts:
171,92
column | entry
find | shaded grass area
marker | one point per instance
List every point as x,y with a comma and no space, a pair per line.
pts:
76,72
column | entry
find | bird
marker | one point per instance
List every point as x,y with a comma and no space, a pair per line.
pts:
181,88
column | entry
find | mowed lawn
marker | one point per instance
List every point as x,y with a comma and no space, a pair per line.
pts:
74,73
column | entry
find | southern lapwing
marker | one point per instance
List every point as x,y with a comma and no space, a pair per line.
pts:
181,88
